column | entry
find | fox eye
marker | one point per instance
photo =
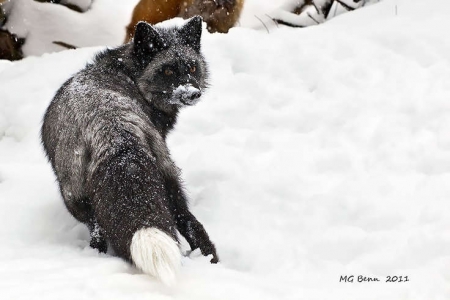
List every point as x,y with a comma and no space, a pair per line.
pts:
193,69
168,72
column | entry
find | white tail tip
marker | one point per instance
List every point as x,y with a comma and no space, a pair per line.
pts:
156,253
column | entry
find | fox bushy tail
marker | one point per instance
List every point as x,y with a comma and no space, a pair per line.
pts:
132,207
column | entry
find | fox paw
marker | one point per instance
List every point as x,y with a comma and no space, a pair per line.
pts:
99,244
209,249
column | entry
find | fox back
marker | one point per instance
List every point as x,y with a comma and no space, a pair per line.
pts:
104,133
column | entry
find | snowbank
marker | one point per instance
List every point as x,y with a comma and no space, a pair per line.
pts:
316,153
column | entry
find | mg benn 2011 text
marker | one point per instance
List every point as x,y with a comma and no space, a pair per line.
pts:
362,278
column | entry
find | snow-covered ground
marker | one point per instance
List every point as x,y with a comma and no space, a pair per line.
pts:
317,153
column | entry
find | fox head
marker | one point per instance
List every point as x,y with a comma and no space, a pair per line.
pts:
174,72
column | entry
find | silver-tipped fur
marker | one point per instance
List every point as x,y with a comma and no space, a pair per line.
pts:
105,136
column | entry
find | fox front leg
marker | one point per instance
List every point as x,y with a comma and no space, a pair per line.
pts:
189,227
195,234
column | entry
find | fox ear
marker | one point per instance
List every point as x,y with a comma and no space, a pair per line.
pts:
147,40
191,33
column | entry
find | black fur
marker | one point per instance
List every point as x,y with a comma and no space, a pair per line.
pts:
105,130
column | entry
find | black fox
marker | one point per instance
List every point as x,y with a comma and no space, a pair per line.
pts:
105,136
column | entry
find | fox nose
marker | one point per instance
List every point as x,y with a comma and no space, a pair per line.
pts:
195,95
